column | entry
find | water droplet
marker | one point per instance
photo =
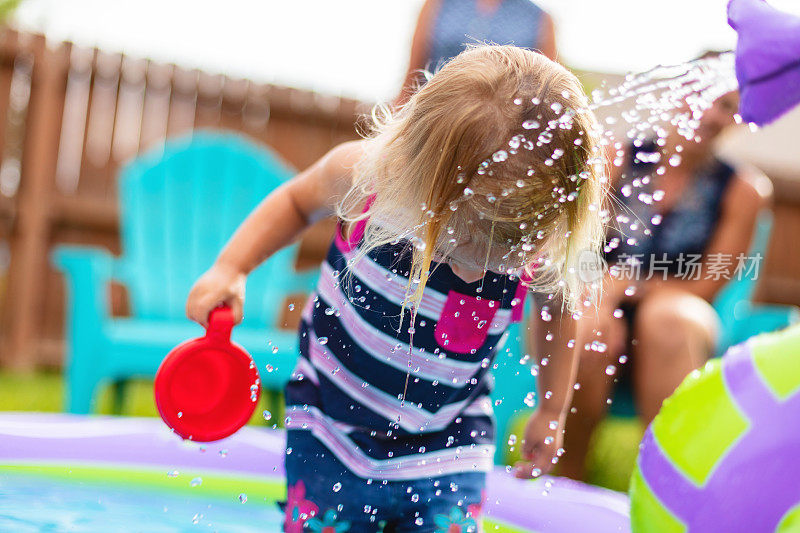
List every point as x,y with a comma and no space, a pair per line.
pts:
243,497
499,156
545,137
267,415
196,482
323,340
611,370
337,487
530,124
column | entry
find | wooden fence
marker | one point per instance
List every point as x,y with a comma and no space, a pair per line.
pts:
69,116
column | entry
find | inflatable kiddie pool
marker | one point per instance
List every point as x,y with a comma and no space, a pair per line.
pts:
108,474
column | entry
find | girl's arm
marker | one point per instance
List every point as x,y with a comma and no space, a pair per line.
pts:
275,223
544,432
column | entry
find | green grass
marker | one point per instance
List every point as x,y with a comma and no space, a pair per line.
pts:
44,392
610,462
612,456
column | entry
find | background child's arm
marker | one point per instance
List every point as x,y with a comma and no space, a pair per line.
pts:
275,223
544,431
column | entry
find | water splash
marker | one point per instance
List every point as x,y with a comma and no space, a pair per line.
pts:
675,95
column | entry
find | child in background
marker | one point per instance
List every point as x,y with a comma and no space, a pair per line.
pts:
490,169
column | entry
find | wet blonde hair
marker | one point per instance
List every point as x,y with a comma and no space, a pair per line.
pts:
498,150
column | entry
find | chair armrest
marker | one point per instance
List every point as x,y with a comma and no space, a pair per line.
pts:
305,281
774,316
87,271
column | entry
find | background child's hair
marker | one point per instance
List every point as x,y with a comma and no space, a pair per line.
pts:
497,149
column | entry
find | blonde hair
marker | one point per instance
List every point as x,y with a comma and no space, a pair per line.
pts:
498,149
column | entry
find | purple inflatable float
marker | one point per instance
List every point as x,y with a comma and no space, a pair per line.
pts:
767,59
113,471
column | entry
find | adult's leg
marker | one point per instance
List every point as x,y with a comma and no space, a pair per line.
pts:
676,332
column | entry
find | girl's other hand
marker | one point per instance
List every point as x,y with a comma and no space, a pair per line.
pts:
221,284
541,444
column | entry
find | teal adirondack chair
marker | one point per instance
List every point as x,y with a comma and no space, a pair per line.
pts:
513,383
178,206
740,317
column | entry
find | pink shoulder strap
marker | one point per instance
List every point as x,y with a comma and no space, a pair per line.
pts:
518,303
358,230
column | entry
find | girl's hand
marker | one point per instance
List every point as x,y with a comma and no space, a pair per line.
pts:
220,284
541,444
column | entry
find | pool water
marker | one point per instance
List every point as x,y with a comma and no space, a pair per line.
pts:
31,503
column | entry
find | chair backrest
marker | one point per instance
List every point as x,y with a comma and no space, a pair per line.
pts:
179,205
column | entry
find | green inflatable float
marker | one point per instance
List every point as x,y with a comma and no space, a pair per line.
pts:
723,454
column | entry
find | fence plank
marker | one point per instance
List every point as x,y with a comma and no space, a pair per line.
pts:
30,246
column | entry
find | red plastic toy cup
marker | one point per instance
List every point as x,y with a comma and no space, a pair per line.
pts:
207,388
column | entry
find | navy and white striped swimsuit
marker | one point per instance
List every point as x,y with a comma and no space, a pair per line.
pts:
347,388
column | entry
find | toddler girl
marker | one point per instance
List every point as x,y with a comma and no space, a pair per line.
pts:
486,182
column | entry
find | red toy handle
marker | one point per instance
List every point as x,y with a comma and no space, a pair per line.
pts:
220,324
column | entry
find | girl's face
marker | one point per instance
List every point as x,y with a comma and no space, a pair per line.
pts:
468,260
469,276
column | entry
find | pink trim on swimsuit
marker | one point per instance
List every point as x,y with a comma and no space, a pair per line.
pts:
518,303
348,245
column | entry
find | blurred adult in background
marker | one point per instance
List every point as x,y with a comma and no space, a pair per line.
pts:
703,208
446,27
